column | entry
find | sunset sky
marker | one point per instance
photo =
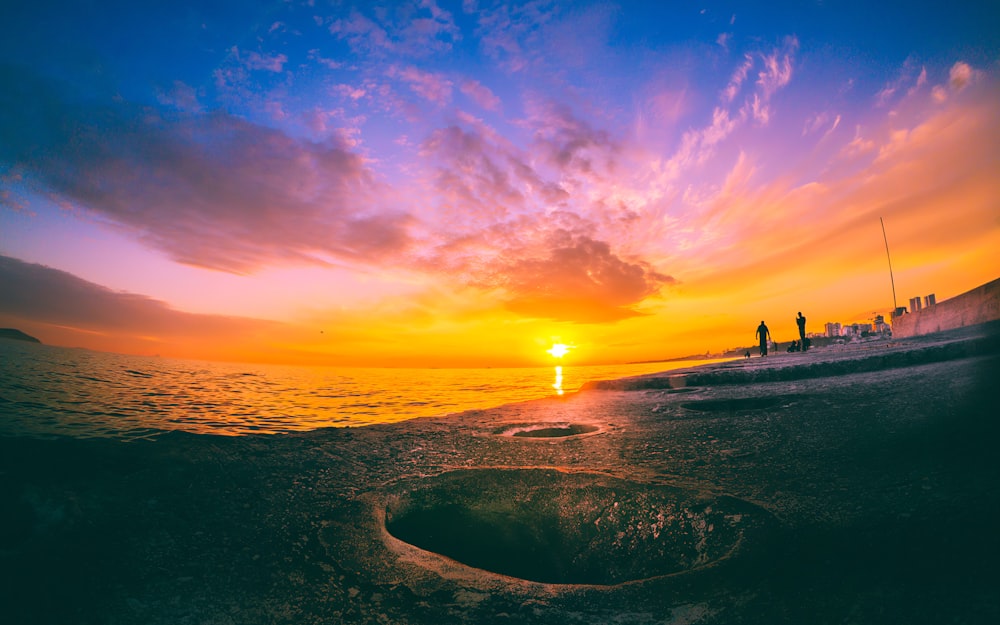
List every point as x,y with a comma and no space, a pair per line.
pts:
432,183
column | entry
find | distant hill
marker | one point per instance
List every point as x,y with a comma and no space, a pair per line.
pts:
16,335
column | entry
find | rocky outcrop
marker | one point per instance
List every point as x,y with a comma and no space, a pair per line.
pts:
16,335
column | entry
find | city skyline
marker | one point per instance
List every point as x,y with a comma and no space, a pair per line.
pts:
470,183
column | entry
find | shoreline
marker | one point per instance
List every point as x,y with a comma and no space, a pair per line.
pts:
53,391
822,362
752,493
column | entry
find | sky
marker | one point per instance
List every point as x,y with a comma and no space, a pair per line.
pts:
464,184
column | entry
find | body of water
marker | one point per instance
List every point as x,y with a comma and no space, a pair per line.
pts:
46,390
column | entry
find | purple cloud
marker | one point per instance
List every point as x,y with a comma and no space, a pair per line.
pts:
209,190
180,96
429,86
410,29
481,95
508,32
483,178
508,226
363,35
258,61
42,295
571,145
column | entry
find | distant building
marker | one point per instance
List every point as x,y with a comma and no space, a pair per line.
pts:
881,327
857,330
915,304
929,300
833,329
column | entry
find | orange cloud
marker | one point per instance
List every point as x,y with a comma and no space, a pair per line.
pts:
929,172
580,280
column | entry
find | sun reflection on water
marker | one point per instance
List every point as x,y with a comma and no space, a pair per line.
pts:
79,393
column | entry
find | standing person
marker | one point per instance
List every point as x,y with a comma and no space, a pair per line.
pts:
801,321
764,334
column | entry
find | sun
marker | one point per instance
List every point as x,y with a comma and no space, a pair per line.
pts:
558,350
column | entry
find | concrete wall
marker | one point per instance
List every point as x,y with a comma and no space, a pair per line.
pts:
979,305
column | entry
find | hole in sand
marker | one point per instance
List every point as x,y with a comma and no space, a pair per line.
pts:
551,431
741,403
567,528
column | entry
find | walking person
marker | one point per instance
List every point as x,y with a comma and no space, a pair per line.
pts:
801,321
764,335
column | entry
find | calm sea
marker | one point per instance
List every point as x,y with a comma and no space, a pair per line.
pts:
46,390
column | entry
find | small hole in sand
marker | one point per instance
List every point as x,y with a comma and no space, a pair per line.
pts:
740,403
556,432
548,431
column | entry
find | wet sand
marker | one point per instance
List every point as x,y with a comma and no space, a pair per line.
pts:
844,485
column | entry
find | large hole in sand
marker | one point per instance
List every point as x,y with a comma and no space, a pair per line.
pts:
567,528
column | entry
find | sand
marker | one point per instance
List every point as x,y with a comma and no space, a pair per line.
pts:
844,485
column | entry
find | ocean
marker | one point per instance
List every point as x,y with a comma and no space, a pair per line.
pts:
57,391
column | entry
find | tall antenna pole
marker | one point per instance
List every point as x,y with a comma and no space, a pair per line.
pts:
891,280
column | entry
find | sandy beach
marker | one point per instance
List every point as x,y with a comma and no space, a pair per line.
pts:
843,485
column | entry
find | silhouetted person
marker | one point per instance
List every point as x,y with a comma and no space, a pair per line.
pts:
794,347
748,353
801,321
764,334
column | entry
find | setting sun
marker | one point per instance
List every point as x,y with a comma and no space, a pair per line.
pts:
558,350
